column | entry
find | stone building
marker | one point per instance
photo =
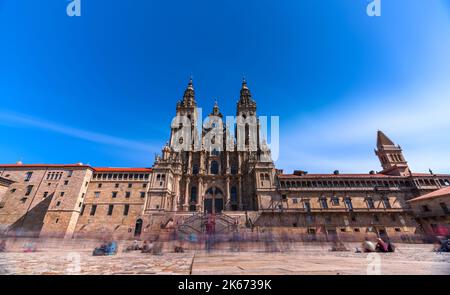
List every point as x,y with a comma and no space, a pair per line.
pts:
432,211
208,166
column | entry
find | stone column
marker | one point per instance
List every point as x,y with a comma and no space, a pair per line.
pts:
200,195
227,194
240,193
186,196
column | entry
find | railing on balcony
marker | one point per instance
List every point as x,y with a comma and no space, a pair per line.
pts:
331,210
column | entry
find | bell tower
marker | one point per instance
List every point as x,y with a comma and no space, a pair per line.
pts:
391,156
247,123
186,118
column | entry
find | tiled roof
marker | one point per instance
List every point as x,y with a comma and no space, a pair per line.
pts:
436,194
96,169
359,175
44,165
118,169
337,176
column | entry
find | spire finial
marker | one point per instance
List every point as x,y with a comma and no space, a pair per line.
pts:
244,83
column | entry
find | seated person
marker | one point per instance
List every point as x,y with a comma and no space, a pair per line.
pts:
29,247
381,246
147,247
368,246
338,246
133,247
179,249
444,246
390,246
100,251
111,248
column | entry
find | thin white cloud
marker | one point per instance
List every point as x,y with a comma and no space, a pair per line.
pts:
14,119
417,120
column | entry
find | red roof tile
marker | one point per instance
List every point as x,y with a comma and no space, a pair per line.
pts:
44,166
96,169
436,194
337,176
117,169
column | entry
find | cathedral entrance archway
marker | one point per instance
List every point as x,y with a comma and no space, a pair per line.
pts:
213,201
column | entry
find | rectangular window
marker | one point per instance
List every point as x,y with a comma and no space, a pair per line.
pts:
45,195
142,195
444,207
348,204
323,203
114,194
425,208
62,194
96,194
28,176
110,210
335,201
93,209
127,194
130,185
66,182
28,191
99,185
144,185
307,206
58,203
295,201
82,209
126,209
386,203
116,185
370,203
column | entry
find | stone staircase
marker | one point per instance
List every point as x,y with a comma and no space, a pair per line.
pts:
195,224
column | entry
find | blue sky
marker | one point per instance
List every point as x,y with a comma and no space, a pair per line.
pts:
101,88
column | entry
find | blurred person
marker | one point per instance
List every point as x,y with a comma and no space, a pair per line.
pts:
3,246
381,246
367,246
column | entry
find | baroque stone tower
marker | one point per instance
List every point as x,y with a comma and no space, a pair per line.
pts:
391,156
205,167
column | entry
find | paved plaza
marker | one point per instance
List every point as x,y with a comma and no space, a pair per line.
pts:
301,259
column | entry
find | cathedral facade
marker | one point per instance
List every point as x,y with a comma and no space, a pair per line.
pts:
212,167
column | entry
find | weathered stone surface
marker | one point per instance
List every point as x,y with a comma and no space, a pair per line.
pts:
302,259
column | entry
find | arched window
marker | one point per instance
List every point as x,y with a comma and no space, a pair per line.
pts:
194,194
195,169
233,169
214,167
233,194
